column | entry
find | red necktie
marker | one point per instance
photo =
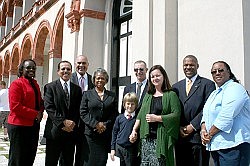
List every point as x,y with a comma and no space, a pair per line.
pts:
129,116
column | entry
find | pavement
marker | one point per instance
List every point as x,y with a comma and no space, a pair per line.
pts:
40,156
4,150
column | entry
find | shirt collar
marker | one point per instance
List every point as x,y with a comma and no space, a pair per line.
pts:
193,78
79,76
126,113
225,84
143,82
62,82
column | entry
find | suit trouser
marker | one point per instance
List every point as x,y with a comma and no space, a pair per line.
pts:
128,156
23,144
63,148
191,154
80,154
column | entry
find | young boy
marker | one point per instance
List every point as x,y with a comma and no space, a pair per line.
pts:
120,144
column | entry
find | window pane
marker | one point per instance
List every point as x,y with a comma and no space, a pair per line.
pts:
126,7
123,28
130,24
123,55
130,64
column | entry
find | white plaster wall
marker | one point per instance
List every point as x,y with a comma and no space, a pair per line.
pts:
155,34
211,30
142,35
246,17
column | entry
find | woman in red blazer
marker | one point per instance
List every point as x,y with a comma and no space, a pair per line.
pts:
26,111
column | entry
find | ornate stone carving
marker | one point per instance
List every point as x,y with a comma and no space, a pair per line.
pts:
74,16
74,21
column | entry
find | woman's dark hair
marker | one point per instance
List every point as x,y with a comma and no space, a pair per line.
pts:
165,85
231,75
21,66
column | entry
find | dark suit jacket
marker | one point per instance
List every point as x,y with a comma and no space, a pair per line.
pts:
94,110
74,79
132,88
56,107
192,104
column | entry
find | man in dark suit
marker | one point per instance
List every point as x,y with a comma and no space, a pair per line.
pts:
62,100
193,92
140,70
82,65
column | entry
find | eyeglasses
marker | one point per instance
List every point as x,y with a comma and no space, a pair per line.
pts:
217,70
140,69
30,67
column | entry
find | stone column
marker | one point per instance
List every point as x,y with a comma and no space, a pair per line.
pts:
18,4
54,59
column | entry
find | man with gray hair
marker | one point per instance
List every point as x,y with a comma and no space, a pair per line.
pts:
84,80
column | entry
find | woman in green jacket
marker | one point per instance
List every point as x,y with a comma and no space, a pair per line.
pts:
158,121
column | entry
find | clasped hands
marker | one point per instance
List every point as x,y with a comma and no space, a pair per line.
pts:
39,117
133,136
185,131
68,125
205,137
100,127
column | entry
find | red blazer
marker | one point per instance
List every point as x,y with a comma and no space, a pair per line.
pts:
22,102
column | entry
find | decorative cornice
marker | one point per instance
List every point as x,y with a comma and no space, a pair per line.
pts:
74,21
54,54
18,3
92,14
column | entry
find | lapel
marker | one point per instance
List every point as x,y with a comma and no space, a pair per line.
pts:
72,91
194,87
143,93
90,84
132,87
105,95
74,78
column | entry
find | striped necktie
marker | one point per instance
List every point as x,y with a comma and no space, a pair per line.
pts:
188,87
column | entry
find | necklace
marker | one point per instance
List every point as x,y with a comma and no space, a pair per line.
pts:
100,93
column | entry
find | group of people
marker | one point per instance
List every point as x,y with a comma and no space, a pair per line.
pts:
159,124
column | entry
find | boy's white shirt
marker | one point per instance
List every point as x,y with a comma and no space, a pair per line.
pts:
126,113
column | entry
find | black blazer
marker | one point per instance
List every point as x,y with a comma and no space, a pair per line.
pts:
74,79
56,107
132,88
94,110
193,104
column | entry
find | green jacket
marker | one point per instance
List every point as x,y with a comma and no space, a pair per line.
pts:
168,130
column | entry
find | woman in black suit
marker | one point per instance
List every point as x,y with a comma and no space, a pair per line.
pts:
98,111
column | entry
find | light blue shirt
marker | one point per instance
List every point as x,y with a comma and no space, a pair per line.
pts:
228,108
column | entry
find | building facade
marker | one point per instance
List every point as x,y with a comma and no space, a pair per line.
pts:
116,33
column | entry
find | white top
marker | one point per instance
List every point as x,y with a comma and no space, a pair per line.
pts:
4,100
